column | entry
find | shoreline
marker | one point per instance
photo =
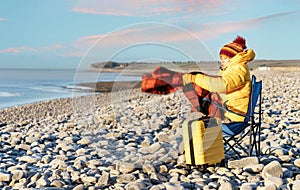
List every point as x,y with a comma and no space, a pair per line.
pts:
140,68
109,86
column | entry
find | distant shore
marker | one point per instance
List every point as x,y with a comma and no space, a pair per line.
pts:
112,86
140,68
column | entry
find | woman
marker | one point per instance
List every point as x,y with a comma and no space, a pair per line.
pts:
233,82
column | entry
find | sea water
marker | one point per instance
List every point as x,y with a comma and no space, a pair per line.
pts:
23,86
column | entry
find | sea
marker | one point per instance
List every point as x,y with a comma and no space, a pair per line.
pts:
25,86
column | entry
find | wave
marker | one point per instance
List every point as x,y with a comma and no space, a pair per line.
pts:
9,94
50,88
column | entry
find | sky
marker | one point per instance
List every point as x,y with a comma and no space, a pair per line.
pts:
75,33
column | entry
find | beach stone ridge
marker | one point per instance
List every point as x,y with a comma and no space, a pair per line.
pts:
133,140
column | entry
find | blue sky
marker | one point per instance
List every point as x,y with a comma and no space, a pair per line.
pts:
66,33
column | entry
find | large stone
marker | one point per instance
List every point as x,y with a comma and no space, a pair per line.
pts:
127,167
18,174
23,147
272,169
243,162
81,151
80,164
56,163
46,159
179,171
248,186
225,183
104,179
42,182
57,183
29,159
79,187
297,162
270,187
296,185
88,179
4,177
35,177
148,168
154,147
173,186
157,187
274,180
135,186
163,169
253,168
85,141
163,137
125,178
285,158
226,186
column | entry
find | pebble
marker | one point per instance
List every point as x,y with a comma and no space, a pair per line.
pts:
125,178
127,168
277,181
296,185
5,177
254,168
148,168
132,140
29,159
57,183
173,186
297,162
272,169
243,162
17,175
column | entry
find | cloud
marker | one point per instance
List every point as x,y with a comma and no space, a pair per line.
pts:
91,10
74,54
53,47
3,19
20,49
146,8
275,16
158,33
28,49
165,33
212,30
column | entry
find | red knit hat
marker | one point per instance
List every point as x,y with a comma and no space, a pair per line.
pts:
233,48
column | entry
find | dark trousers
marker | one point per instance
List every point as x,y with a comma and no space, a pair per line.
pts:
197,95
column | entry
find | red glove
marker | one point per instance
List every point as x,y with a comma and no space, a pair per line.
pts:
170,77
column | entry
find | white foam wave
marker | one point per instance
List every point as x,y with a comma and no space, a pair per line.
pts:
9,94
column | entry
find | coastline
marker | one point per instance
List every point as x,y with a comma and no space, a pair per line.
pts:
111,86
126,139
141,68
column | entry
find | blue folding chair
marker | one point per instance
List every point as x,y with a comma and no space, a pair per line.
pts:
235,132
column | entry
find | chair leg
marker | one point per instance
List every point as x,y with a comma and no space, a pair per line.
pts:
256,140
254,144
237,142
231,147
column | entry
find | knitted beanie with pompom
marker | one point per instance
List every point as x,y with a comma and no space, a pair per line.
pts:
233,48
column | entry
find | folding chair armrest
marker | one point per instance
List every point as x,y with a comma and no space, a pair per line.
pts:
223,108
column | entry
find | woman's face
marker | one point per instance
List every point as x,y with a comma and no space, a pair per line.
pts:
224,60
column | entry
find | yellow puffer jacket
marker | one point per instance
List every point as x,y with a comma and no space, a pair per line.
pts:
233,84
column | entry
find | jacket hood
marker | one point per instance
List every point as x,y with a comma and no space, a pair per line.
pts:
241,58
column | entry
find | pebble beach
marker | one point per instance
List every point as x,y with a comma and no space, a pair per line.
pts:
132,140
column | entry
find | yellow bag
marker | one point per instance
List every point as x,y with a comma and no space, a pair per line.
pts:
203,141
